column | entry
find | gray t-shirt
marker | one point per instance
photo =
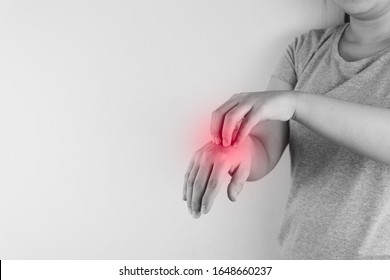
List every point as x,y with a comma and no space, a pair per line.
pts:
339,203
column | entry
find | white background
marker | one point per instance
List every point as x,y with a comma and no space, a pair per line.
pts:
110,269
102,104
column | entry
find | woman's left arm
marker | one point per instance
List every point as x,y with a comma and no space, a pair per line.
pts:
361,128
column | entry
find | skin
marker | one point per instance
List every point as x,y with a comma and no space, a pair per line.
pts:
258,160
368,32
250,130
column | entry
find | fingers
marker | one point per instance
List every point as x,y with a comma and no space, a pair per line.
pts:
190,183
225,122
199,188
218,116
213,186
204,177
237,182
246,126
231,120
186,177
206,173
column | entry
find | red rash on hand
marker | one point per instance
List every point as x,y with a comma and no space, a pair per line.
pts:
235,155
200,135
201,131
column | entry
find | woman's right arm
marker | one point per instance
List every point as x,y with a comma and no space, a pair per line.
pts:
269,138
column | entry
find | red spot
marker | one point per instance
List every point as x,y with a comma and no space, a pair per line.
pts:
198,134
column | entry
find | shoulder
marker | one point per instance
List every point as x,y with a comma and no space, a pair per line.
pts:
301,50
313,39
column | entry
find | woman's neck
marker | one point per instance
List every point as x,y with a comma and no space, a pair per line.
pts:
369,31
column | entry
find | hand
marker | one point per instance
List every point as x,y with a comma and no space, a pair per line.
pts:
208,168
234,119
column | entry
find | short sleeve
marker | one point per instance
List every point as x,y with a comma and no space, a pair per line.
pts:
287,68
298,54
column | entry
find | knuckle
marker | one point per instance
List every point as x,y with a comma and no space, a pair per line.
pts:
190,182
204,157
199,157
198,185
247,121
212,184
217,113
197,153
230,116
244,123
207,158
223,158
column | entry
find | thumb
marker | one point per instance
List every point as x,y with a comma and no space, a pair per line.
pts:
237,182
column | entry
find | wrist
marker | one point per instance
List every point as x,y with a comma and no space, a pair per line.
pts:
296,103
291,99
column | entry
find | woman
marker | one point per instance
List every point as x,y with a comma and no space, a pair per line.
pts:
329,98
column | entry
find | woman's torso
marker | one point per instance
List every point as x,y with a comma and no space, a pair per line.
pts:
339,203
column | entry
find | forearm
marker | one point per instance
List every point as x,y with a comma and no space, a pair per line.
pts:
361,128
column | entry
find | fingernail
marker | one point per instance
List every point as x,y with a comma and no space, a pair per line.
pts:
217,141
225,143
203,209
189,210
235,145
234,195
195,214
